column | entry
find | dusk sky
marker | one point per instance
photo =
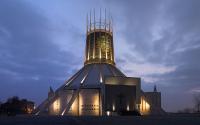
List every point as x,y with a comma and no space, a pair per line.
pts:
42,44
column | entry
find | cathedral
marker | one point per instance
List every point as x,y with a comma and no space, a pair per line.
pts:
99,88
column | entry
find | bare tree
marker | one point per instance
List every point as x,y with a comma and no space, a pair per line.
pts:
197,103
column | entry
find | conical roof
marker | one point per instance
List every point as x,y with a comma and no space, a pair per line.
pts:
92,75
99,63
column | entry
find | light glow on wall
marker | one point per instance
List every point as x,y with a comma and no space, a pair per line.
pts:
88,56
106,54
144,107
96,103
96,100
127,108
108,113
80,104
101,79
74,107
100,53
29,110
89,103
56,106
93,53
113,107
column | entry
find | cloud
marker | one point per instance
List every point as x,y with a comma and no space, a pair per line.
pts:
195,90
142,69
29,56
162,45
42,44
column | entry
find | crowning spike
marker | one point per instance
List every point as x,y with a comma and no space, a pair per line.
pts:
90,20
112,35
154,89
100,28
86,38
105,34
109,23
100,19
94,37
87,23
94,19
105,18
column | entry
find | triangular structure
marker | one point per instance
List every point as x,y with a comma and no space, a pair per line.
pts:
99,88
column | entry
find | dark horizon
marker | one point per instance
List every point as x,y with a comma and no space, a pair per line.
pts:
42,44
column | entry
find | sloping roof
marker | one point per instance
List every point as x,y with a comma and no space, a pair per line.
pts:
92,75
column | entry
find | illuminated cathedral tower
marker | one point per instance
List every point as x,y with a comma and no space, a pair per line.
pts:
99,88
99,41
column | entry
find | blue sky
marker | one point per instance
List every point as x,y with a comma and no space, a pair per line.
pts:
42,44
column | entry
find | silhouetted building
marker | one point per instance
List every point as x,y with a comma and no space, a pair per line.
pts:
15,106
